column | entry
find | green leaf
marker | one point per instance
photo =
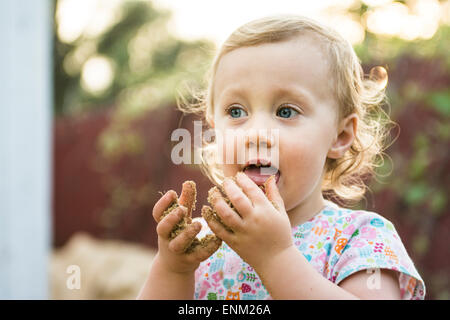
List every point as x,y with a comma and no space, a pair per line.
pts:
418,164
441,102
420,159
416,193
438,202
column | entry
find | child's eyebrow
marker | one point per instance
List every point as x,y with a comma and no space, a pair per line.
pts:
294,92
231,92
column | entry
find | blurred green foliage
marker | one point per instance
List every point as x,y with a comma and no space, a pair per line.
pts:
150,64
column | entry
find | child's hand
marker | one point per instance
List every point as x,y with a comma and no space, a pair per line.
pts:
260,230
171,252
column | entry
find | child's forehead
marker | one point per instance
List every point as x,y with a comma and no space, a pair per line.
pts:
294,55
300,60
294,45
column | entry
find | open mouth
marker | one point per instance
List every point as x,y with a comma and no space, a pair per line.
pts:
259,171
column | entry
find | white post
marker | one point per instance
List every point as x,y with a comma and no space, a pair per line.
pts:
25,147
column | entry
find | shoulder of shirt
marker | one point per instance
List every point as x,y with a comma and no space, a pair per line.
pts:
359,217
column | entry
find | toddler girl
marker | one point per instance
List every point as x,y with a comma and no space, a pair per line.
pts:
301,84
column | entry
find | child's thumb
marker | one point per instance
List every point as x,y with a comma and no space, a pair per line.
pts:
273,194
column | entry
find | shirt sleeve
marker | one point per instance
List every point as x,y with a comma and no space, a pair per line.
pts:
367,241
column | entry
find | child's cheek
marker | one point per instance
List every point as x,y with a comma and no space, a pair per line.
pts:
302,168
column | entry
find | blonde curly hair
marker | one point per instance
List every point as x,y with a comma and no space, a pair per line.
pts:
344,178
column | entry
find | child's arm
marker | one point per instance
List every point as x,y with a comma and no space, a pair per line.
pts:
290,276
165,284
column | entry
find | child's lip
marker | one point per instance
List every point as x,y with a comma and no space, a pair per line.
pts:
260,161
258,177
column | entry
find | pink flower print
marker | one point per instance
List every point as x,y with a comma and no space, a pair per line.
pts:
217,276
216,285
203,289
368,233
349,230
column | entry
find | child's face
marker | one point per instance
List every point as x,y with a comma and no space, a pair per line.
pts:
284,86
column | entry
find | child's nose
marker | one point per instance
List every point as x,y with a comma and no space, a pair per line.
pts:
259,138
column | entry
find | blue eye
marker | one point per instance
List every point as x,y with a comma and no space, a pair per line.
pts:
286,112
236,112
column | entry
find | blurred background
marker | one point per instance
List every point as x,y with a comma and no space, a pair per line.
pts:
117,68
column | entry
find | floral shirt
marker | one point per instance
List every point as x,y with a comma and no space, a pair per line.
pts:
337,242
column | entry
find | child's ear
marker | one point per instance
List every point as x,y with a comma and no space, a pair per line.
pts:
346,135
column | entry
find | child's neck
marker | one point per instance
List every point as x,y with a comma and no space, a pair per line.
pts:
307,209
